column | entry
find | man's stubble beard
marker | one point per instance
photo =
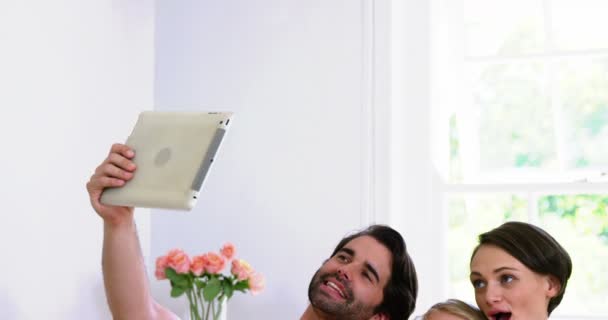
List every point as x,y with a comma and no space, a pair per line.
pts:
350,309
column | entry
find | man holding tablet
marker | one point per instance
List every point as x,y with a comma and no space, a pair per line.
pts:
368,276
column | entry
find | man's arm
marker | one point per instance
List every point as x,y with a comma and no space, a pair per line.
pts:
125,280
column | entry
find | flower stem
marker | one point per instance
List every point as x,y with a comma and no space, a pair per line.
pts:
216,315
196,305
213,309
193,315
202,303
209,307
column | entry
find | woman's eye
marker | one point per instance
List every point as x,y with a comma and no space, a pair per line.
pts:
506,278
342,258
366,275
478,284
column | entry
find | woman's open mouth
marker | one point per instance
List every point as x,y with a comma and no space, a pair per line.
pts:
501,316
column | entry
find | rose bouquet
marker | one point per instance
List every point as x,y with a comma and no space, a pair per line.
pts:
201,279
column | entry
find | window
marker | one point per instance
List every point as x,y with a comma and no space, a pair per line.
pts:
520,89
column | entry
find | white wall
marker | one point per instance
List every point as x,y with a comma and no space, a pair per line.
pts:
291,178
306,161
415,204
73,76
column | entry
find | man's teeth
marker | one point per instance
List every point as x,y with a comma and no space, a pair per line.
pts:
333,285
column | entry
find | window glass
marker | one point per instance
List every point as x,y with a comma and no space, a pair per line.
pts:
581,105
516,129
503,27
580,224
580,24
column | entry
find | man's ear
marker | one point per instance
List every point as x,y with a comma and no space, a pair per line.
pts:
380,316
553,286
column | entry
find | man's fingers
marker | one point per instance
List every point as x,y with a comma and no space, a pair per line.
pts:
112,171
115,171
123,150
100,182
121,161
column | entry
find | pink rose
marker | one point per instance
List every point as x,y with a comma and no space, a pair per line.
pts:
161,264
228,250
179,261
241,269
256,283
199,263
215,263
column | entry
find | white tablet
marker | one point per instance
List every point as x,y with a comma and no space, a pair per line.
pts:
173,153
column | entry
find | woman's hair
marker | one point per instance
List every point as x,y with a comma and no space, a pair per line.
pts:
457,308
535,248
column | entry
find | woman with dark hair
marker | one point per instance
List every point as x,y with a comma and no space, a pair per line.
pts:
519,272
453,309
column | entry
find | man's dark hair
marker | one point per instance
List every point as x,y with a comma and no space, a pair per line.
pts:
535,248
402,288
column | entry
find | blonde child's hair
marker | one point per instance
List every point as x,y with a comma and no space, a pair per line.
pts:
457,308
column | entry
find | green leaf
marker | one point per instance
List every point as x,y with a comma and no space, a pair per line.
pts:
199,284
170,273
242,285
180,280
228,289
177,291
212,289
